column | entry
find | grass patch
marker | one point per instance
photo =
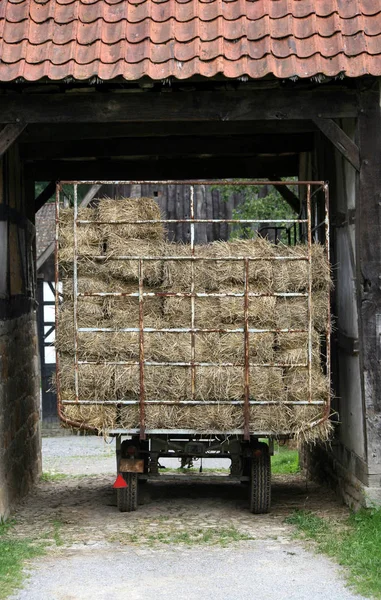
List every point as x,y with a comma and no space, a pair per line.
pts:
284,461
57,525
47,476
13,554
202,536
354,543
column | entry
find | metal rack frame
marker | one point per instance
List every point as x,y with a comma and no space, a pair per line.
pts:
312,189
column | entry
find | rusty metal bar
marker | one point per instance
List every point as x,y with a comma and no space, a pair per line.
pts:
246,410
153,221
141,355
193,339
186,330
194,294
269,434
75,292
310,324
63,418
206,259
196,402
328,327
152,363
57,299
219,182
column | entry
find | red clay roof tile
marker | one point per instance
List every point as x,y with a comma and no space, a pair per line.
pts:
182,38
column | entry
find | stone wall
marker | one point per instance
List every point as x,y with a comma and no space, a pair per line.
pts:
20,457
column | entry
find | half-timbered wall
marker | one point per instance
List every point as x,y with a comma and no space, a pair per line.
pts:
19,373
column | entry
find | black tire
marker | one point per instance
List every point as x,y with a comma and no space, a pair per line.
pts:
260,481
121,499
127,498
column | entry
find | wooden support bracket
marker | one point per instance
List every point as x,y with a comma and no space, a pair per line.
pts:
287,195
340,140
45,195
9,134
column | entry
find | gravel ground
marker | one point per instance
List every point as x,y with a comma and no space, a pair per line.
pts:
258,570
97,553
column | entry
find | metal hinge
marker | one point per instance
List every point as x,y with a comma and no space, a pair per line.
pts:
347,344
341,219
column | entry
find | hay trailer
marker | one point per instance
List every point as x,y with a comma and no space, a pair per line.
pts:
193,351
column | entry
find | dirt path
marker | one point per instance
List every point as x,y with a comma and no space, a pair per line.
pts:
78,514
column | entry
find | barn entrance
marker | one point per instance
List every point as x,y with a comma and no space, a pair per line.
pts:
294,132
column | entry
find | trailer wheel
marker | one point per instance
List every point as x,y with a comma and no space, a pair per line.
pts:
127,498
260,481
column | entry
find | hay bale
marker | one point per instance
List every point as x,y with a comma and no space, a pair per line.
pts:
296,381
231,272
266,383
229,347
89,314
219,383
205,419
124,311
177,273
178,312
218,275
168,347
131,209
292,275
89,236
294,420
261,311
292,348
220,313
128,270
91,285
102,346
320,309
102,418
291,313
160,383
95,382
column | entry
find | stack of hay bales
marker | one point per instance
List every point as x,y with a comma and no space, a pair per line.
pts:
275,357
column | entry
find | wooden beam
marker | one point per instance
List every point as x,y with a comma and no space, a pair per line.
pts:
340,140
288,195
217,106
9,134
168,146
166,168
90,195
69,132
368,242
45,195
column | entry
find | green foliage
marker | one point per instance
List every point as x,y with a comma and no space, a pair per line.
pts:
67,189
258,202
285,461
13,554
354,543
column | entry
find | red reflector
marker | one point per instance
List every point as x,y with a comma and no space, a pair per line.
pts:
120,482
257,452
131,450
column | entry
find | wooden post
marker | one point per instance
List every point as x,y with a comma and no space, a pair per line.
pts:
368,241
